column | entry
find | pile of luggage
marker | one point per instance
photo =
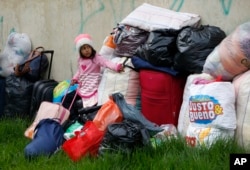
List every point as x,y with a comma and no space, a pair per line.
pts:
180,79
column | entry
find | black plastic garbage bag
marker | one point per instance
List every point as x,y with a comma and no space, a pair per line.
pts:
18,92
2,95
194,45
84,115
131,113
47,140
160,47
191,62
197,38
125,136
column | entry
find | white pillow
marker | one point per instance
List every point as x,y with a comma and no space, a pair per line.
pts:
149,18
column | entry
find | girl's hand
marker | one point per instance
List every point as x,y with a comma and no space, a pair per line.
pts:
73,81
120,68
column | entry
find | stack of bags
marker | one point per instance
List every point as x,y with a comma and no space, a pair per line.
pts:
215,102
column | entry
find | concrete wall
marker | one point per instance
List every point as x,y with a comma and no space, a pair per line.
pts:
55,23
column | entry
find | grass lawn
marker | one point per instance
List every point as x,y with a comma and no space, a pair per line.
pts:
171,155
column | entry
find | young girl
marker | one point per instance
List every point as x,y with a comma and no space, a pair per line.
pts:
88,74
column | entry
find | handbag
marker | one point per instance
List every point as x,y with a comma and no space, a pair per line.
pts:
87,141
34,66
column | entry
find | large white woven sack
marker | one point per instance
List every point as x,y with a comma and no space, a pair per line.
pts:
149,17
126,82
242,90
183,120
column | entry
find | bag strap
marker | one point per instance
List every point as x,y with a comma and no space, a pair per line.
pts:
51,52
35,53
125,65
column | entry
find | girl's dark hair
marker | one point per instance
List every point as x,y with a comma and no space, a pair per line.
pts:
92,54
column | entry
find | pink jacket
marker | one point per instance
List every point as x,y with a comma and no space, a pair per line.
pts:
88,74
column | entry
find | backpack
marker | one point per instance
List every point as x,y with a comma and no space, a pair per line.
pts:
47,139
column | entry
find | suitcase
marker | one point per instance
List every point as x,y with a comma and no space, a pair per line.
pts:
51,53
161,96
49,110
42,91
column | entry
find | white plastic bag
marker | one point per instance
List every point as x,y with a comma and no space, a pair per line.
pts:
206,136
16,51
183,120
213,105
231,57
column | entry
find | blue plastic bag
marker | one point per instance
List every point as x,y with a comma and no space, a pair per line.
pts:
131,113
